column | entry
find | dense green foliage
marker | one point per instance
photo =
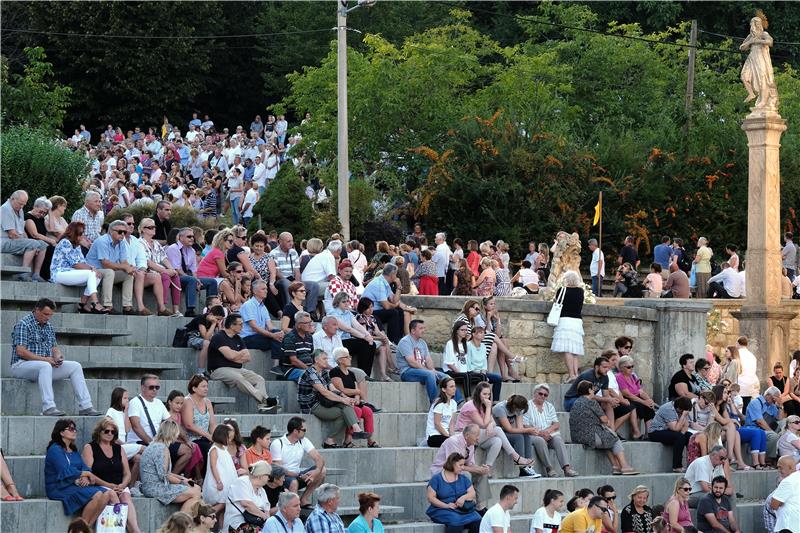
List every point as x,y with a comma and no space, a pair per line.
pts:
181,217
515,142
34,162
284,206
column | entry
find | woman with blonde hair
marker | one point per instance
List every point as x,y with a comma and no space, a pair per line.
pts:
158,262
178,522
568,334
213,264
483,285
158,481
54,221
676,510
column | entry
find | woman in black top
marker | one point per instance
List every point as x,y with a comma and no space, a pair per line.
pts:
297,295
568,335
637,517
110,465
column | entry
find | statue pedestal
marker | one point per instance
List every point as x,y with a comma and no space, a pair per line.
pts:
767,328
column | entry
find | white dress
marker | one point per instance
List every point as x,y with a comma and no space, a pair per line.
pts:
227,474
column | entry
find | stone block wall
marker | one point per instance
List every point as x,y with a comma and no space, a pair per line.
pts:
528,335
729,326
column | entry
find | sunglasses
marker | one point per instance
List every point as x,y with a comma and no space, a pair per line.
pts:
109,431
70,428
628,366
120,232
611,498
685,489
148,227
543,394
154,387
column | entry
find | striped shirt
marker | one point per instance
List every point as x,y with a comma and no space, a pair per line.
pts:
286,262
37,338
540,420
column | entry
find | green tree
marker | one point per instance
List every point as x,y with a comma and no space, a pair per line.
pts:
285,206
34,97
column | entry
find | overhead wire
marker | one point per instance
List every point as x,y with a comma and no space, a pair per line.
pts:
107,36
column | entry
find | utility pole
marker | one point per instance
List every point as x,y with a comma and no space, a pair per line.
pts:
690,73
343,170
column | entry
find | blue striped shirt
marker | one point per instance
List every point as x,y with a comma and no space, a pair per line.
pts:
37,338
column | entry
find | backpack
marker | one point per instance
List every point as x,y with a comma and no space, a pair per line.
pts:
684,263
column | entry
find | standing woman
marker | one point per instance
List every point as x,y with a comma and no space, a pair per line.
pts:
473,258
462,279
502,285
67,478
568,335
69,267
107,461
157,262
426,274
733,366
543,260
483,285
702,262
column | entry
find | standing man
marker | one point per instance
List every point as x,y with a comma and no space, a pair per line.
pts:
628,253
35,356
183,259
161,218
789,255
109,255
596,268
748,373
91,214
662,254
498,518
288,264
442,260
13,239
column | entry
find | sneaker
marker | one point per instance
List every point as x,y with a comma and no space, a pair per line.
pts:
53,411
25,276
570,472
176,314
89,411
265,409
529,471
272,401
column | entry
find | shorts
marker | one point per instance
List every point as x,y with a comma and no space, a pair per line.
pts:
301,484
622,410
20,246
195,341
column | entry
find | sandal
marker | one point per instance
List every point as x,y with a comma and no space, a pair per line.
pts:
348,445
616,472
372,444
9,498
629,472
519,462
328,445
97,309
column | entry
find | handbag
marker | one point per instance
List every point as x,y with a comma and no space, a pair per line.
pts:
113,519
249,518
181,338
555,312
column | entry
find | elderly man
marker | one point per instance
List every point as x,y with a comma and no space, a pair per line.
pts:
441,259
14,241
35,356
289,452
297,347
182,257
464,443
786,498
91,214
109,255
321,269
324,519
764,412
227,355
161,218
287,262
677,284
287,519
388,307
328,337
704,469
258,333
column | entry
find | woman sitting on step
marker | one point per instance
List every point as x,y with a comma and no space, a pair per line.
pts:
69,267
67,478
109,465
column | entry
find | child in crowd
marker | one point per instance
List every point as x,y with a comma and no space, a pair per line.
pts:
654,282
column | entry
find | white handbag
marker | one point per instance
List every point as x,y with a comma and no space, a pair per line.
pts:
555,311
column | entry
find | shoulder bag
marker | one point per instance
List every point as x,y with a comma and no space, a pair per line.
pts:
249,518
555,312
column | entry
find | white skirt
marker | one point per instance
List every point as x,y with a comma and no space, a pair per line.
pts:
568,336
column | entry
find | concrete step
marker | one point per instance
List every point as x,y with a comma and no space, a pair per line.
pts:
412,497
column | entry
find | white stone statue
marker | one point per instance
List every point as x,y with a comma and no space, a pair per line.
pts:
566,252
757,74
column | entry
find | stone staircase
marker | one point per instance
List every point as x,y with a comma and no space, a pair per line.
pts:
116,350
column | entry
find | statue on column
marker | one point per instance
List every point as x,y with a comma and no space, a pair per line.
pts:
566,252
757,74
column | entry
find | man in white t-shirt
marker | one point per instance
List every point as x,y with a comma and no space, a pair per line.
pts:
596,267
250,191
786,498
144,428
289,451
498,518
704,469
748,377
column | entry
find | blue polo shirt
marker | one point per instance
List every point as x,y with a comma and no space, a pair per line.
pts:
104,248
757,408
662,254
378,290
252,309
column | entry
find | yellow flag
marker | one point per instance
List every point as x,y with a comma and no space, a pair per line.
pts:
598,210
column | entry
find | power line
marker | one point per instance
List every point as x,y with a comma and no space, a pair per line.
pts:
785,43
106,36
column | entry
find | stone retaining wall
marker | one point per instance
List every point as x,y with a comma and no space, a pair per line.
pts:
727,330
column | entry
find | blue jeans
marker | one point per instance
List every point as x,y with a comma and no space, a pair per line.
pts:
569,402
597,285
294,374
189,286
260,342
235,213
429,378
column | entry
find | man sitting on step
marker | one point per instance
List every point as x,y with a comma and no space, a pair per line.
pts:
35,356
13,239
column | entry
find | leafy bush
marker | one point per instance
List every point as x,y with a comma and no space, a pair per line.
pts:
325,222
181,216
284,206
33,161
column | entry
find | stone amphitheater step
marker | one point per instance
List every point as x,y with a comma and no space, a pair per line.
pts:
45,516
748,516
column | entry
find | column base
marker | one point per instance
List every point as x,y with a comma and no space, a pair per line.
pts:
767,329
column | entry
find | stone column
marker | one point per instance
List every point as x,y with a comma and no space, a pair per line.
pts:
761,319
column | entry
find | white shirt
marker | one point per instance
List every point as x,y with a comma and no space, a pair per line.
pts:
242,490
730,281
260,174
540,420
250,200
447,410
545,522
748,379
451,358
441,258
320,267
327,344
496,516
158,413
597,255
290,455
788,514
528,277
702,470
742,284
